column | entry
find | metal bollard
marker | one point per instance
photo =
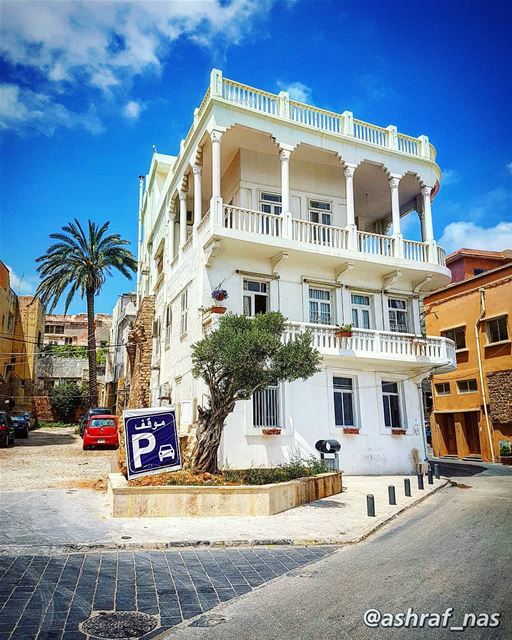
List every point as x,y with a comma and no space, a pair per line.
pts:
407,487
437,472
420,481
391,494
430,476
370,505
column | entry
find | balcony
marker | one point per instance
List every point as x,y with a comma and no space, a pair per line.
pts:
375,346
251,225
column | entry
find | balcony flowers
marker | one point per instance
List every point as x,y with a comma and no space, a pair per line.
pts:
344,331
398,432
219,294
351,430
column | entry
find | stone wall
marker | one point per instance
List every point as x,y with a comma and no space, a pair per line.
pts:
139,348
499,384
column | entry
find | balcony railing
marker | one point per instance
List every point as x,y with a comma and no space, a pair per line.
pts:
320,235
377,344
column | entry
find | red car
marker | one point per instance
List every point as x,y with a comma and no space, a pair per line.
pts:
101,430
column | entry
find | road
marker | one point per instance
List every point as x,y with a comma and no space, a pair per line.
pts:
454,551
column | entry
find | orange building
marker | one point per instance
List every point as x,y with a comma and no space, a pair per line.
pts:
466,263
472,406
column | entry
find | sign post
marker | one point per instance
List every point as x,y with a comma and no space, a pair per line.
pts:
151,441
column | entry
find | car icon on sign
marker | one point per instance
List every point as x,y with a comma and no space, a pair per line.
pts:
166,451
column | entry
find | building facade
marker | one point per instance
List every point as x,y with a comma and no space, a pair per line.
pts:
123,317
472,406
466,263
295,209
21,338
72,329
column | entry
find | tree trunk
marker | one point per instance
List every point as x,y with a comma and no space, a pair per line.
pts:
91,350
208,436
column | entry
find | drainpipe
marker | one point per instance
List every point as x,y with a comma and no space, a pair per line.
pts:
422,418
480,369
139,243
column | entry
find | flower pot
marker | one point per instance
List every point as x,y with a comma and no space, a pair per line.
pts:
343,334
220,298
351,430
274,431
398,432
506,460
218,309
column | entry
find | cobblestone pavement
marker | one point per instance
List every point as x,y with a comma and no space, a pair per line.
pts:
48,596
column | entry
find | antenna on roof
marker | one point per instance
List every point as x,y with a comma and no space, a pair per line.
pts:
154,148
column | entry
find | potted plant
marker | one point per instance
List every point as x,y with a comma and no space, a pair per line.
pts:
219,295
351,430
398,431
271,431
344,331
506,452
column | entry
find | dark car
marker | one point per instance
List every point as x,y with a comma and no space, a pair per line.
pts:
21,426
30,418
93,411
6,430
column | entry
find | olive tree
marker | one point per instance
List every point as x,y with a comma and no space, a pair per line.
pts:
241,356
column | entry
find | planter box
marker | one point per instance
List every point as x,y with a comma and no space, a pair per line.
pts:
506,460
243,500
399,432
351,430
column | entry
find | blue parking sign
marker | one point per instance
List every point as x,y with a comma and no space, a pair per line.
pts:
151,440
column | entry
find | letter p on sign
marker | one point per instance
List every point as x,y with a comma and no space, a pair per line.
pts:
139,449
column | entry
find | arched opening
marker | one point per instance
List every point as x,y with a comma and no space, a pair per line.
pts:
372,198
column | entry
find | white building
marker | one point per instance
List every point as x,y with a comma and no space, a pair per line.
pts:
289,207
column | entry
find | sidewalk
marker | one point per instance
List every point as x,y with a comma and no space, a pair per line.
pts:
68,520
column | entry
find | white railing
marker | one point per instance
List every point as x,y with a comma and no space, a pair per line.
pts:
319,234
375,244
441,256
414,250
409,145
369,343
250,98
265,408
203,222
317,118
371,133
252,221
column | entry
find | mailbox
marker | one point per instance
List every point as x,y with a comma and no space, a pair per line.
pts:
329,453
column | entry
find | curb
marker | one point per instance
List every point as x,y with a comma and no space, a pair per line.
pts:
213,544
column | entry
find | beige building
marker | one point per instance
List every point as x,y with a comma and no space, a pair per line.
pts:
72,329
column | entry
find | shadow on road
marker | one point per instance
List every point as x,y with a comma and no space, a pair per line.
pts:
45,439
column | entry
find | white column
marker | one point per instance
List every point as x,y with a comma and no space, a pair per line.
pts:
172,220
427,214
215,137
284,154
197,171
183,218
394,182
351,213
216,200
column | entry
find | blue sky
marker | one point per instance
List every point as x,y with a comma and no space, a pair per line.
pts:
88,88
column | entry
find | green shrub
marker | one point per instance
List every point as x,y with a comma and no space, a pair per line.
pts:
65,400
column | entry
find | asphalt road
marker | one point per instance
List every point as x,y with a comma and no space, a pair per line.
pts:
454,551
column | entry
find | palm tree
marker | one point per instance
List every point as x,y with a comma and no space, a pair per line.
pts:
79,263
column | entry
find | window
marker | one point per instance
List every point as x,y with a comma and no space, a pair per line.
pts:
467,386
184,312
156,338
442,389
59,329
397,310
477,272
497,329
68,340
320,306
320,213
265,408
391,401
255,297
270,203
360,311
343,402
458,335
168,325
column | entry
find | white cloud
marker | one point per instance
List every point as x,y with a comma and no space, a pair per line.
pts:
20,284
133,109
104,45
509,167
468,235
297,90
450,176
22,109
